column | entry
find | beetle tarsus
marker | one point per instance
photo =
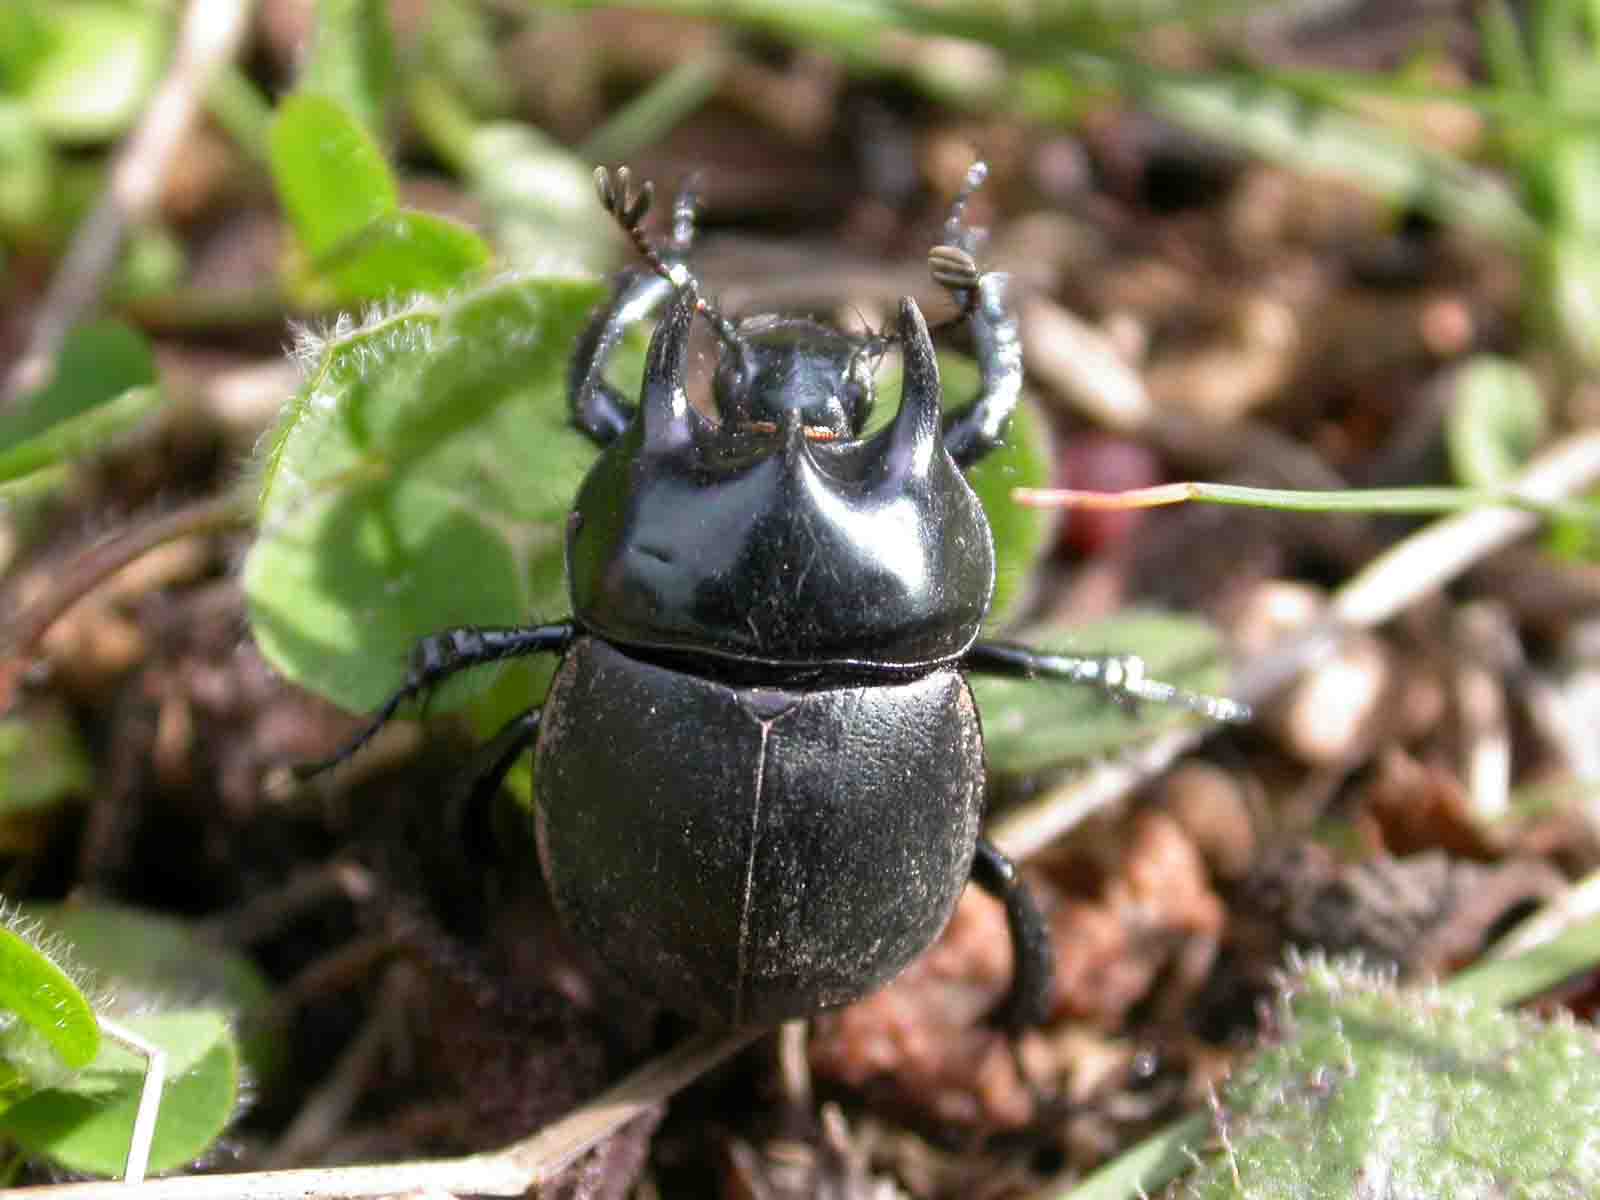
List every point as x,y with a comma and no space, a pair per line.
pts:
1123,677
350,749
618,196
956,230
441,655
685,212
629,207
1028,1002
599,410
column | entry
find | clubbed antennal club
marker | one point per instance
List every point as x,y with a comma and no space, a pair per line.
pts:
630,205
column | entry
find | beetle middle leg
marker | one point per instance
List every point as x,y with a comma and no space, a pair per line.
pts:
474,819
1120,676
1028,1002
446,653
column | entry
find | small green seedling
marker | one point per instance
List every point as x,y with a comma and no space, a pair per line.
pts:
354,240
125,1094
46,1002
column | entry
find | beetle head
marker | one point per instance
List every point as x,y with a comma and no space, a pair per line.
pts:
774,365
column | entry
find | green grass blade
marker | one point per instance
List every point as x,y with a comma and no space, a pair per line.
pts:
1513,980
1143,1168
1418,501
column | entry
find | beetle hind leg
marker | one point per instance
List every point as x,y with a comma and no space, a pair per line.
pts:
1033,976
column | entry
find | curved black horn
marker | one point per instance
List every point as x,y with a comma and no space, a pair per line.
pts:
914,437
664,405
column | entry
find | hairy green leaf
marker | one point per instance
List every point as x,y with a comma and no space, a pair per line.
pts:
35,989
85,1122
329,173
1411,1092
421,479
145,952
357,243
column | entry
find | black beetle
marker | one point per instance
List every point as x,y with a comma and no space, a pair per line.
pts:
760,768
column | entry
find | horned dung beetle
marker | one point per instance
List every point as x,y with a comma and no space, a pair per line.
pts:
760,768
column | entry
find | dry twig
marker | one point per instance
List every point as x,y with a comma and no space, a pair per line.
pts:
92,567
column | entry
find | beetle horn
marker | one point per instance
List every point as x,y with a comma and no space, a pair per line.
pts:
914,436
664,406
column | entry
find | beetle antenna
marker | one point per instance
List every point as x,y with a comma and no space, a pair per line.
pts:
630,206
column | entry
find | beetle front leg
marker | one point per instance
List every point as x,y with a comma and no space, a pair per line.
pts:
1033,972
983,298
977,429
446,653
1120,676
599,409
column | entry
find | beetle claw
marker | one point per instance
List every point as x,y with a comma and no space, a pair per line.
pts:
618,196
638,205
604,189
